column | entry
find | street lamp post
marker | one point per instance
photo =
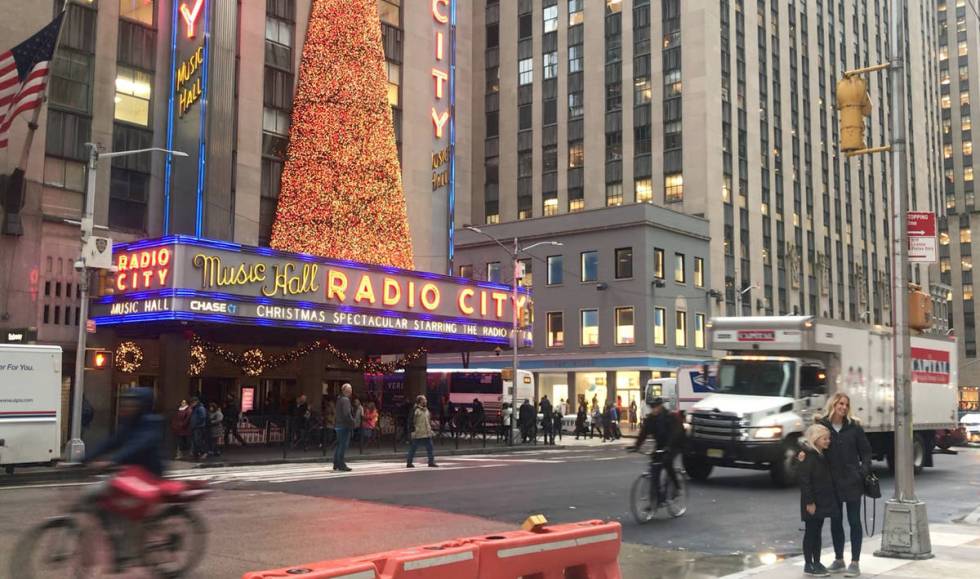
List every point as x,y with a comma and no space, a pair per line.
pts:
741,297
75,452
515,330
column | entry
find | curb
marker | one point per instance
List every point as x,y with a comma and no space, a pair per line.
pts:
67,473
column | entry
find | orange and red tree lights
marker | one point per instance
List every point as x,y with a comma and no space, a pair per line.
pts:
341,194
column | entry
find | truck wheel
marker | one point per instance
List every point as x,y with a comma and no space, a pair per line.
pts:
697,468
783,472
918,453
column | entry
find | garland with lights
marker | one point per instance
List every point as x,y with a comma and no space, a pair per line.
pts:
341,192
129,357
254,361
199,359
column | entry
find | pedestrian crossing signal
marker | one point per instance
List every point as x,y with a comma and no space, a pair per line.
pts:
97,359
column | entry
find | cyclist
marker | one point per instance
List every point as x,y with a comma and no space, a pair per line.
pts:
139,440
661,426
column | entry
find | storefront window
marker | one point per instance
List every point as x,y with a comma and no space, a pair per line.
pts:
629,389
624,326
969,398
555,386
591,386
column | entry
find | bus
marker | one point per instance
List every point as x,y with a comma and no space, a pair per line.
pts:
491,387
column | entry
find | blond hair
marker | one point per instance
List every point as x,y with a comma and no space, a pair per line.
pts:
814,432
828,410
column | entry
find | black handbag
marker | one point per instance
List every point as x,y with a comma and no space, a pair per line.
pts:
872,486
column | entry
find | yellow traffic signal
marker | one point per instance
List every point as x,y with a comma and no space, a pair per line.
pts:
920,310
854,104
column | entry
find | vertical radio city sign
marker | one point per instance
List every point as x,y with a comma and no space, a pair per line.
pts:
187,116
444,109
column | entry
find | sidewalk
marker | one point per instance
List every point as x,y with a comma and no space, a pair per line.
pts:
271,455
956,548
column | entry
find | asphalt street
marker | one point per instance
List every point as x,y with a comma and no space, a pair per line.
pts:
271,516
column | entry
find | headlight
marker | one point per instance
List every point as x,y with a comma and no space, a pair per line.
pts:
768,432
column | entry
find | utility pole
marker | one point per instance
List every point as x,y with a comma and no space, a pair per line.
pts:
514,345
906,529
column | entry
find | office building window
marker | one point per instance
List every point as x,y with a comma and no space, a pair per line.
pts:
614,194
643,189
699,331
625,334
576,154
133,92
550,14
525,71
139,10
590,266
679,274
550,203
659,329
390,12
680,330
556,330
659,267
575,59
71,81
624,263
576,15
550,65
129,183
466,271
493,271
698,272
590,328
556,269
673,188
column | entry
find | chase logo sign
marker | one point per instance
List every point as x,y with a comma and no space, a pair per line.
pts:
930,366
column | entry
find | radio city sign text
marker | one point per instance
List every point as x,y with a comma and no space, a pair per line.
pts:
320,282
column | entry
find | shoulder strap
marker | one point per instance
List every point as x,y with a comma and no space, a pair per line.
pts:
874,516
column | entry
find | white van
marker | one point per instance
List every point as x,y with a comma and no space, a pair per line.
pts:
30,405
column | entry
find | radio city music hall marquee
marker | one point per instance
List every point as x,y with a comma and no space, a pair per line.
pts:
185,278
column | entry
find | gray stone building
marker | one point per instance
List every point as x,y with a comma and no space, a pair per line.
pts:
626,297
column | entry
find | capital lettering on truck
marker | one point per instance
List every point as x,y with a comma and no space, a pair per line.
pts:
756,336
930,366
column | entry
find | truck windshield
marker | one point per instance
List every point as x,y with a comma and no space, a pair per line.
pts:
756,377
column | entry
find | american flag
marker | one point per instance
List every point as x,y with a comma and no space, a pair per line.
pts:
24,75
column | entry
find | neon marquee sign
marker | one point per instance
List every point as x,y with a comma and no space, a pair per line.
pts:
190,16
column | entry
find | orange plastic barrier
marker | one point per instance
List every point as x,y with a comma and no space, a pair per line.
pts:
449,560
587,550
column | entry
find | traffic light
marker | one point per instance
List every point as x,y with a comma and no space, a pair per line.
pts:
854,104
97,359
920,310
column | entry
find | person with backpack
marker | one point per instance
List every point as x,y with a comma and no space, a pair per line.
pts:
818,496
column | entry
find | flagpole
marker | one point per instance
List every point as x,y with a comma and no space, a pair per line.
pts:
36,115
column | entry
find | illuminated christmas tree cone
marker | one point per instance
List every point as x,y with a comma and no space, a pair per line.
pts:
341,194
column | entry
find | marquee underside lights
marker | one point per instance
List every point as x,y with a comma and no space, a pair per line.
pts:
341,193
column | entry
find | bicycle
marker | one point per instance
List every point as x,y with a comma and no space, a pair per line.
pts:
641,495
168,537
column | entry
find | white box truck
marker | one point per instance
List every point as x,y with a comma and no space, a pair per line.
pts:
779,372
30,405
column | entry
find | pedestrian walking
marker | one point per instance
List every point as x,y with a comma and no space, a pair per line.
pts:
299,419
596,422
563,407
525,420
818,497
850,461
556,424
232,414
632,415
546,420
421,431
580,419
199,427
216,421
343,424
358,412
180,425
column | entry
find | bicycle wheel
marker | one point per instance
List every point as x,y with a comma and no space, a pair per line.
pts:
640,505
173,542
55,548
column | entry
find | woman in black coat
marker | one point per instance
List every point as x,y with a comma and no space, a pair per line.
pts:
580,420
850,461
818,498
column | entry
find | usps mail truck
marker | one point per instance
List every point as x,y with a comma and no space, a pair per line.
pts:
30,405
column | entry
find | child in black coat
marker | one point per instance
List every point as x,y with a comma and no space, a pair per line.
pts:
818,497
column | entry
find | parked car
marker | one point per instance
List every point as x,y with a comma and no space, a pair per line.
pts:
945,438
971,422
